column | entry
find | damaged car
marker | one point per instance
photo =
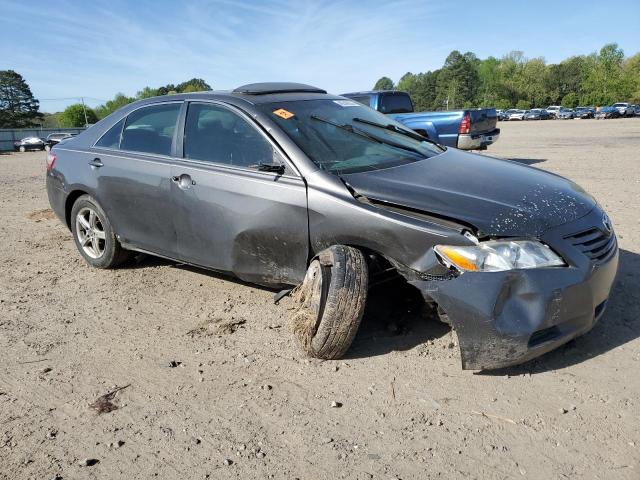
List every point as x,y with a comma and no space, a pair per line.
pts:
284,185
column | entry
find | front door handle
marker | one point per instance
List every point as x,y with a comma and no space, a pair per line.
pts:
96,162
183,181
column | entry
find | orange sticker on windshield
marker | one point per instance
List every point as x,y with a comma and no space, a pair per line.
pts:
282,113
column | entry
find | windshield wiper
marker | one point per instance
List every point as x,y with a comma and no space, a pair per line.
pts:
395,128
348,128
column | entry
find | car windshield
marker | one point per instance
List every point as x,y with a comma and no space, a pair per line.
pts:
335,135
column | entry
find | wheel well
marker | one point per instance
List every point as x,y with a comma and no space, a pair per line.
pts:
71,199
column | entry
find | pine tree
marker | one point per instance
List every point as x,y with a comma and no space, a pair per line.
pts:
18,107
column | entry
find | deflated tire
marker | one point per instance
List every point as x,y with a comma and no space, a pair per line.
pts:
330,302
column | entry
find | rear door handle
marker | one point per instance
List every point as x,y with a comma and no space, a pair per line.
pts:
96,162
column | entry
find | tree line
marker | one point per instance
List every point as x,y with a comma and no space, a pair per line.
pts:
514,81
19,108
464,81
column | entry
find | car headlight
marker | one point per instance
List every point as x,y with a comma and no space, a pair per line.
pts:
498,255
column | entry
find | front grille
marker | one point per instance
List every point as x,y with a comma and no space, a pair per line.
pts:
594,243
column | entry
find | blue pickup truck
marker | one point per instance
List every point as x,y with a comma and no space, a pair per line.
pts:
469,129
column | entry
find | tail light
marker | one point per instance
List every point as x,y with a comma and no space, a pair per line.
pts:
51,161
465,125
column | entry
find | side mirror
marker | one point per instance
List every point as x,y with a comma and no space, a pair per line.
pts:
271,167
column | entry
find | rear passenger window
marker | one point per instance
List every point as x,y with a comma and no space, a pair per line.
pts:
150,129
111,139
216,134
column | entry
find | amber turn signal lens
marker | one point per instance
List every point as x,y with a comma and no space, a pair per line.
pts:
456,258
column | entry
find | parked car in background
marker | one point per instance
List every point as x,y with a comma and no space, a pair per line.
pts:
624,109
516,114
503,115
553,110
55,138
29,143
636,110
565,114
584,112
286,185
607,112
537,114
468,129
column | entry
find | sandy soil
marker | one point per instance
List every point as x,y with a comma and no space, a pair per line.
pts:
216,388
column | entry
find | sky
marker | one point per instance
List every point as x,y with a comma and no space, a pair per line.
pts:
69,49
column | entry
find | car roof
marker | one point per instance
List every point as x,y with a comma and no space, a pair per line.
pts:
253,93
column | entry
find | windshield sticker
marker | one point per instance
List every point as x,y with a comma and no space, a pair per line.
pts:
347,103
282,113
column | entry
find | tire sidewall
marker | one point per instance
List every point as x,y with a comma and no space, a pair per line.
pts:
109,257
336,325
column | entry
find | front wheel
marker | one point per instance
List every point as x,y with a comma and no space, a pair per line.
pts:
94,236
22,149
331,302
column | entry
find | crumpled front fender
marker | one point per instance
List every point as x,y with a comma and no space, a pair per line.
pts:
505,318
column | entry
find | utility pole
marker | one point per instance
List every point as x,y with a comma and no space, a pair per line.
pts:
86,122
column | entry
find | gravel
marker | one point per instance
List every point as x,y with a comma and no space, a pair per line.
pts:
76,318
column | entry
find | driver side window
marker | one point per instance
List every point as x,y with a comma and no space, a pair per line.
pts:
215,134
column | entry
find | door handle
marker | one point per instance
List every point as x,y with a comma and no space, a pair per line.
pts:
96,162
183,181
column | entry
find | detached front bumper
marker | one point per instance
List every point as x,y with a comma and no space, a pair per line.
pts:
506,318
478,141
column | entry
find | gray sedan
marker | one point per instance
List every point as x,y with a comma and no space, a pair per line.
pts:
285,185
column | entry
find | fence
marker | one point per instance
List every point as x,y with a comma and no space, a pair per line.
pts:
10,135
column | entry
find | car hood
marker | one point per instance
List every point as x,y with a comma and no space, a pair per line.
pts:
497,197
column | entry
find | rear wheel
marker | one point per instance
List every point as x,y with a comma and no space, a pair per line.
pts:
94,236
22,149
331,302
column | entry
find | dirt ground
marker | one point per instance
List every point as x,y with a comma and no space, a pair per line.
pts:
216,387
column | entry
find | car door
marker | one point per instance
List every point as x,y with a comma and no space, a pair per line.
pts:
232,214
132,165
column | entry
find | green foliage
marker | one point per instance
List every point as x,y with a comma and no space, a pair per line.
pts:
421,87
384,83
571,100
193,85
457,81
18,107
600,78
51,120
147,92
74,116
120,100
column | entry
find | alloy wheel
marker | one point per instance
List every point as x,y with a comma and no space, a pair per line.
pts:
90,232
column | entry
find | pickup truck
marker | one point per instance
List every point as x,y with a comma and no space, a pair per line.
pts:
468,129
